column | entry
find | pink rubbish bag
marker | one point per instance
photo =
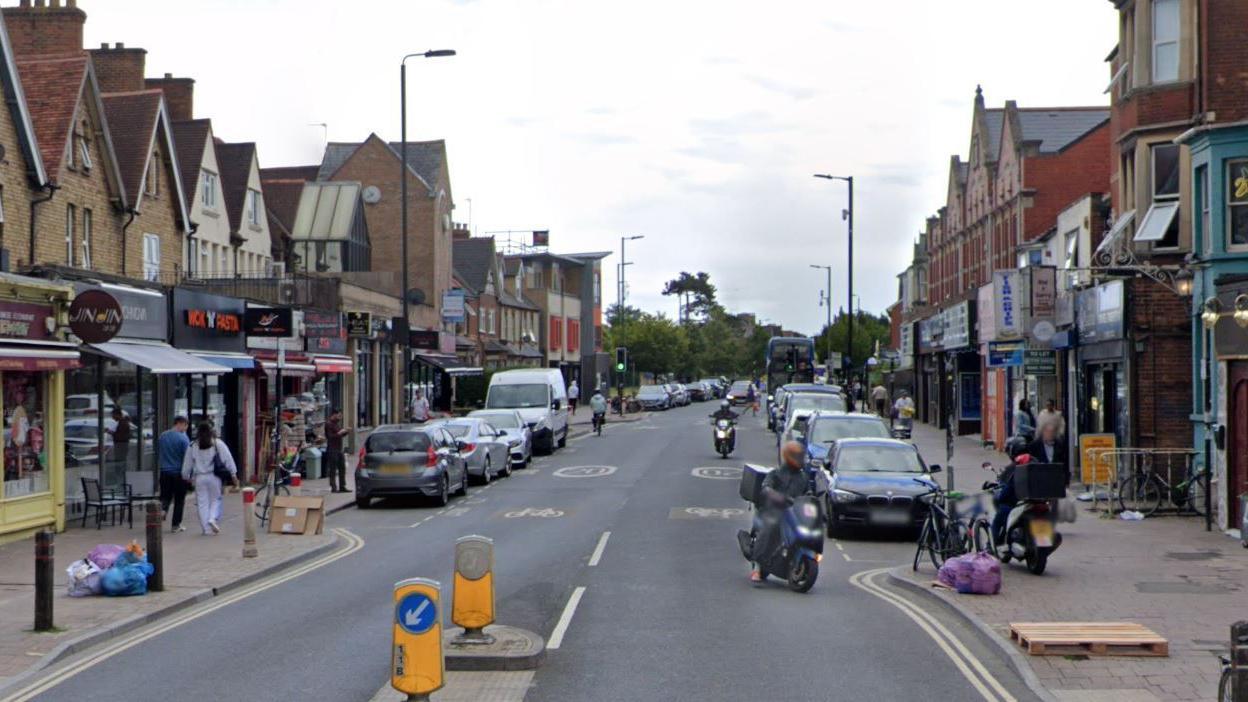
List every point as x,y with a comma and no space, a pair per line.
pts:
104,555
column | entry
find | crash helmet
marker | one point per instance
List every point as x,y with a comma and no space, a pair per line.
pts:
723,404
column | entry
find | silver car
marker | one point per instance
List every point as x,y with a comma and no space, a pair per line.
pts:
519,436
483,447
406,459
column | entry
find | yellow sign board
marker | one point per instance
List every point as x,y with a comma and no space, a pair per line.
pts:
472,604
416,663
1098,466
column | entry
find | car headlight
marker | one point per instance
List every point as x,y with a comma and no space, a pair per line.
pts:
730,397
845,496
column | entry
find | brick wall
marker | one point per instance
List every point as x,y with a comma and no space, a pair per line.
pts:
45,30
119,69
15,194
179,95
1224,59
1160,325
1060,178
159,215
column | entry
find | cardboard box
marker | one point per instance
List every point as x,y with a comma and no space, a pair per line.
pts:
297,515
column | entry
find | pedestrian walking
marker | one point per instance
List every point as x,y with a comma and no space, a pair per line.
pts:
1024,421
1050,413
752,398
420,408
208,461
171,452
879,397
574,394
119,428
335,460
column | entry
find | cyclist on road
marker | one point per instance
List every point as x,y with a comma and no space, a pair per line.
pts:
598,405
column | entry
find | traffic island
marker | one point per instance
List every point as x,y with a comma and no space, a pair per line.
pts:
510,649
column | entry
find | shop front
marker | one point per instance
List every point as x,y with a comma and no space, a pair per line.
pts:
1103,360
325,340
34,357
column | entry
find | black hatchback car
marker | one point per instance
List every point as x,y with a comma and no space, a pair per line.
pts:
407,459
877,483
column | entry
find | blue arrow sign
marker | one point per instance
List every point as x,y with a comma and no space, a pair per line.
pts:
416,613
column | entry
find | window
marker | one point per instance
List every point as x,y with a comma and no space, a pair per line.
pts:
84,151
209,195
223,260
1202,196
253,207
151,185
1160,224
556,333
493,329
1165,40
1072,248
151,257
1165,171
87,225
205,258
25,472
71,213
574,335
481,322
1237,203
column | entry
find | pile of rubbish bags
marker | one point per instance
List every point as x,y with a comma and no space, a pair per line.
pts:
110,569
972,574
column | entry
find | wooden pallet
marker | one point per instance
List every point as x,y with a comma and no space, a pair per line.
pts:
1088,638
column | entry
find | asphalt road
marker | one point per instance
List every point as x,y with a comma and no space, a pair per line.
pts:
667,610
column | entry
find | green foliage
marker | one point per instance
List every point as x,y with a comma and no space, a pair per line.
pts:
868,329
696,294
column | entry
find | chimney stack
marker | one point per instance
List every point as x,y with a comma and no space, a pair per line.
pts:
119,70
42,30
179,96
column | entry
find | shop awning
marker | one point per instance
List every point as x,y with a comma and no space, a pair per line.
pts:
33,357
448,364
332,363
161,359
290,369
464,370
237,361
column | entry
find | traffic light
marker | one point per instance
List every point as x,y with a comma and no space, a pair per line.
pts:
791,362
621,359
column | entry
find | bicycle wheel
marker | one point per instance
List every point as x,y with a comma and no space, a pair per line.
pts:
982,536
936,546
1225,693
1140,493
1197,488
922,543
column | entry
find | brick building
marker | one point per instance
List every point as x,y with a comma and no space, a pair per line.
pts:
476,270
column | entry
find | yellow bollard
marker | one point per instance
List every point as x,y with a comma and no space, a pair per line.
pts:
472,605
417,667
249,523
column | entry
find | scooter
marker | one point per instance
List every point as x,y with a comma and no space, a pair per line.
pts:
1031,534
725,436
797,557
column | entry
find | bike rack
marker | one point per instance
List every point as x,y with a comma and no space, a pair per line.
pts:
1112,467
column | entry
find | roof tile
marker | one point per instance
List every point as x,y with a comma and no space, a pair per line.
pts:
53,87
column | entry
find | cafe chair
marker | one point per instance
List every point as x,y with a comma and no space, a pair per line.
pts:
101,499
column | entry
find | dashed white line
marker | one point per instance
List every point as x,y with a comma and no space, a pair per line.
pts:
565,619
602,545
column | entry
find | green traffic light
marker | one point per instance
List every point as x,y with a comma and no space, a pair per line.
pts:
619,366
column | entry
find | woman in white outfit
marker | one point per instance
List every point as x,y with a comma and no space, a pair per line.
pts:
197,468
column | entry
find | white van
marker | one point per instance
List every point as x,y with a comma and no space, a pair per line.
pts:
540,397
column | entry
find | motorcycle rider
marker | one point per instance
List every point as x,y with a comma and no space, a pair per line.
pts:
1005,498
725,412
598,405
786,482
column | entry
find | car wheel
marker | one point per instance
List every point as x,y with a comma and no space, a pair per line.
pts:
563,440
463,484
506,471
362,501
485,473
444,494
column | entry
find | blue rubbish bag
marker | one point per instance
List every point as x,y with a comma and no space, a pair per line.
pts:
127,576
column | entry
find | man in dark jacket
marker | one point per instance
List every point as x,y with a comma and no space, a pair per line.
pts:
1049,447
335,461
787,482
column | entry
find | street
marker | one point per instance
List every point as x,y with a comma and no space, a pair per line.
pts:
666,611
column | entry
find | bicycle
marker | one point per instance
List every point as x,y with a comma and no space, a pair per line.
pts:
944,535
599,420
276,482
1144,490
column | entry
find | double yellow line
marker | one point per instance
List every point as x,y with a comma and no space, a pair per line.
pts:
57,675
971,668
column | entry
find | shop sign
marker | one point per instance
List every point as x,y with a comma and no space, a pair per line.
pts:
360,324
1065,308
1100,313
986,310
144,313
95,316
1043,292
930,333
24,320
453,306
1007,288
1040,362
424,339
269,322
1003,354
320,325
956,323
292,341
207,322
226,323
907,346
1098,464
325,344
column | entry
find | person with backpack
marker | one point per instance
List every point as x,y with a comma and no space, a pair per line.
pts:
208,466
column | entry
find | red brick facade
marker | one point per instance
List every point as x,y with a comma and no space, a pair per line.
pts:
45,30
1224,59
1161,386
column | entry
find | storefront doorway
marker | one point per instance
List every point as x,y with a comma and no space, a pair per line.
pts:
1237,457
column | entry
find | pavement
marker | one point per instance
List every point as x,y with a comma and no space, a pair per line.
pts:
1166,573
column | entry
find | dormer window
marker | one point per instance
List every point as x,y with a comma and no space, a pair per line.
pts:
253,207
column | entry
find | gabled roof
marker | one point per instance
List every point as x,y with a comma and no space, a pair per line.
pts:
424,159
283,186
1057,128
135,120
289,173
994,120
15,96
191,137
473,259
506,297
234,161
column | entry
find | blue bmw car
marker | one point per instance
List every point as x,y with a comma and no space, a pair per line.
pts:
877,483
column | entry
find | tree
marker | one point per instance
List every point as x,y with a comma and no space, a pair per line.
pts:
868,329
695,293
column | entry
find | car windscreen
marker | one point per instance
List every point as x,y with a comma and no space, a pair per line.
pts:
501,421
386,441
809,402
458,431
835,429
879,459
77,402
740,387
521,395
651,391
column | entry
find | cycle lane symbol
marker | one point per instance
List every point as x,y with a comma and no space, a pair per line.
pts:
585,471
717,473
541,513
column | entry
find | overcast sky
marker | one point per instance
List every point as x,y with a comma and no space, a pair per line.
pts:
697,123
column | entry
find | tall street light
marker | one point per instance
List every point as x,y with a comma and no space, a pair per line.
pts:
849,266
619,307
407,341
827,360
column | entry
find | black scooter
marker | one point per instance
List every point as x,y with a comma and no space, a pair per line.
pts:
797,556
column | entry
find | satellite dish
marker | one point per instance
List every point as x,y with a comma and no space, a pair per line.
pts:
372,194
415,296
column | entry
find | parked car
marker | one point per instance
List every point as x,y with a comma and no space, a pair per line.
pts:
775,401
88,405
540,397
484,448
823,429
511,424
877,483
699,392
679,396
82,440
781,418
654,397
739,392
409,459
712,384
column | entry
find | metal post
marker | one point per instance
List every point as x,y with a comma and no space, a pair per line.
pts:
1239,660
827,361
155,552
44,578
849,265
249,523
407,343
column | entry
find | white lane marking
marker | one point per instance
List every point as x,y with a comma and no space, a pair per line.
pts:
565,619
838,545
846,556
953,648
602,546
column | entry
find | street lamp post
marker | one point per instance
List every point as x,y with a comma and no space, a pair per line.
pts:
619,308
827,360
849,264
407,341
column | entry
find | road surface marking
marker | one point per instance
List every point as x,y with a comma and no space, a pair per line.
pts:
544,512
846,556
584,471
126,642
565,619
962,658
602,545
838,545
413,526
705,513
717,473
